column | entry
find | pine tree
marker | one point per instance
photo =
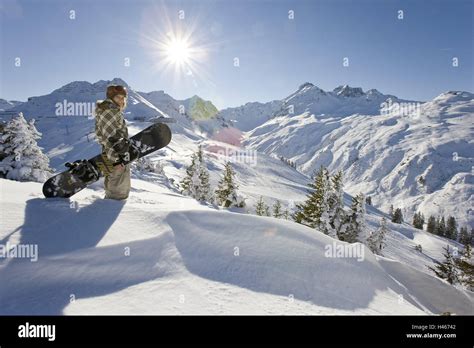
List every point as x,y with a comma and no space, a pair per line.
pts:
466,268
205,192
277,209
354,227
335,205
464,236
452,228
397,216
267,211
418,220
390,212
261,208
196,182
309,213
23,159
431,226
376,240
187,182
415,222
447,269
368,200
226,193
467,252
441,227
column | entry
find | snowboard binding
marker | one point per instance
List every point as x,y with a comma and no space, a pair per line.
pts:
84,170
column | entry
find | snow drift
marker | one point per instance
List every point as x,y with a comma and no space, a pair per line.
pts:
161,253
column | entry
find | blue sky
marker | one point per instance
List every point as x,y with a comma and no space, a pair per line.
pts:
410,58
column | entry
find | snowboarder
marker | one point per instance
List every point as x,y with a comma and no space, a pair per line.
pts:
112,134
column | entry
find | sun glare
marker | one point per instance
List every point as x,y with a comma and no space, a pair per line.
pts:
177,51
177,48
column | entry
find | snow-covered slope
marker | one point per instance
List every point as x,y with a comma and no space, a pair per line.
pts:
251,115
161,253
420,160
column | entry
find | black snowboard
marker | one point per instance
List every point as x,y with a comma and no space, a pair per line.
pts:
84,172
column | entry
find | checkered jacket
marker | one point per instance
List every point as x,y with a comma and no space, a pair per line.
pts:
109,127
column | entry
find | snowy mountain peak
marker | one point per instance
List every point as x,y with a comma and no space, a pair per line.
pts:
373,92
454,96
85,87
306,90
305,85
118,81
72,86
101,85
347,91
7,104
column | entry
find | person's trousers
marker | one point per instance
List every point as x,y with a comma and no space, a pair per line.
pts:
117,184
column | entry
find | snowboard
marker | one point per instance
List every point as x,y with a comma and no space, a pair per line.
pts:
84,172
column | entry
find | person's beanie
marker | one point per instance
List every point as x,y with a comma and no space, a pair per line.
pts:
114,90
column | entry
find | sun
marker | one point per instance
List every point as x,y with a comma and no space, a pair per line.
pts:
177,51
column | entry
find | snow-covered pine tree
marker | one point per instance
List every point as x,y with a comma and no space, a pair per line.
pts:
205,192
267,211
376,240
452,228
467,252
309,213
431,226
441,227
277,209
261,208
466,268
145,164
447,269
335,204
415,220
464,236
397,216
418,220
187,182
23,159
226,192
196,182
354,228
390,212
